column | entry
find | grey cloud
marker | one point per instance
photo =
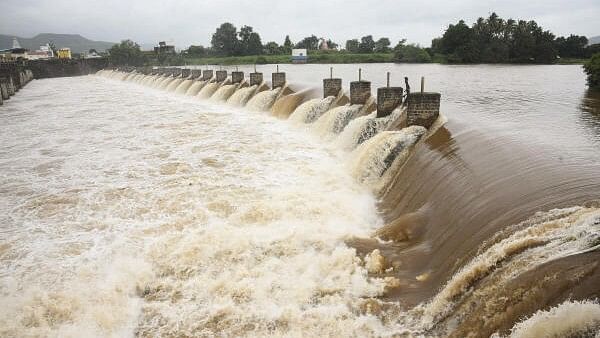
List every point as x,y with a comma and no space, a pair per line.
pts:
188,22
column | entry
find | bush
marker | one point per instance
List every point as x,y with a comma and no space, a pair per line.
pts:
592,68
411,53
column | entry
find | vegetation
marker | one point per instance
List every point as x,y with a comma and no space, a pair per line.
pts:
126,53
411,54
495,40
592,68
315,57
490,40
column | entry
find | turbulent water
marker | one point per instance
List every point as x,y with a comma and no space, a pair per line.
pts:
131,211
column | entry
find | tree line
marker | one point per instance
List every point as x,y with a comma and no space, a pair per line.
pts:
495,40
489,40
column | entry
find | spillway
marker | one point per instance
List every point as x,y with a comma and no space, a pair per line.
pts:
134,211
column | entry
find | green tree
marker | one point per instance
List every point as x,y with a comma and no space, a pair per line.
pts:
197,51
126,53
411,53
272,48
250,43
224,41
366,44
352,46
331,44
309,42
592,68
382,45
287,45
573,46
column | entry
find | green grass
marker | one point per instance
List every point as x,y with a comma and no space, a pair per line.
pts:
570,61
314,57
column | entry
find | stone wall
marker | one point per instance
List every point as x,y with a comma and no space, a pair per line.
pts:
256,79
60,68
221,75
207,74
388,99
237,77
196,73
278,80
360,91
423,108
331,87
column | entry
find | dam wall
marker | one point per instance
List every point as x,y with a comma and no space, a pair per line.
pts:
43,69
13,76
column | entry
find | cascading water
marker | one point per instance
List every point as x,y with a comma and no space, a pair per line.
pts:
387,149
220,245
208,90
223,93
363,128
311,110
263,100
241,96
165,84
195,88
569,319
174,84
183,86
336,119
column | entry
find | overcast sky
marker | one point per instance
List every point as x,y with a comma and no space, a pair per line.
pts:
188,22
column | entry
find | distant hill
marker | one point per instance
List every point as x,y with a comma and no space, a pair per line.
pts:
76,42
594,40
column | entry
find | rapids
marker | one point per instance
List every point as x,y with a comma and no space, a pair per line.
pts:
133,211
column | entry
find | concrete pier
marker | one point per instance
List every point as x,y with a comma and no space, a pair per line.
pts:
196,73
278,79
221,75
207,74
237,77
423,108
331,87
388,99
4,89
256,79
360,91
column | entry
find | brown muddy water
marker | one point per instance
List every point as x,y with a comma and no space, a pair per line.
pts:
133,205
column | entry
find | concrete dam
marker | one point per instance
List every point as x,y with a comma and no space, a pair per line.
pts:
209,202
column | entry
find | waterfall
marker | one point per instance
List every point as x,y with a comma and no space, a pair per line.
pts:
311,110
183,86
174,84
223,93
149,80
285,105
363,128
336,119
546,237
570,318
263,100
162,83
241,96
208,90
389,148
195,88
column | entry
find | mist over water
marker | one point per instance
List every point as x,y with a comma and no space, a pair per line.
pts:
127,210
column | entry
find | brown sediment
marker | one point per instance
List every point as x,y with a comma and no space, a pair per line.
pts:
575,277
460,192
284,106
470,186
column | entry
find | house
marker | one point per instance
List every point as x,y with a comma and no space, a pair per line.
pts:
64,53
299,55
163,48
